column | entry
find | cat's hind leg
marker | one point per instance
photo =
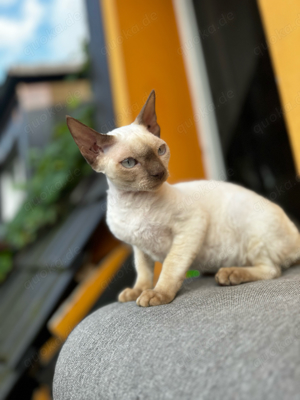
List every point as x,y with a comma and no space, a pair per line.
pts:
236,275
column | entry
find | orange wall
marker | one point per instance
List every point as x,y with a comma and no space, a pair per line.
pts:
142,48
282,26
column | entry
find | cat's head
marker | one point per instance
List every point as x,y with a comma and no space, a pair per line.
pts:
133,157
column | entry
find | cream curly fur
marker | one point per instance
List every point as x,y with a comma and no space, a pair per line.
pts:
211,226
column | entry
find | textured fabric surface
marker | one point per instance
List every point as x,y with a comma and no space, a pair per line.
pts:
211,343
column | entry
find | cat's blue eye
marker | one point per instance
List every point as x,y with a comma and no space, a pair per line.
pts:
162,149
129,162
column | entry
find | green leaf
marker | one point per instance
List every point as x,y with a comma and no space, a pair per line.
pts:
6,264
192,274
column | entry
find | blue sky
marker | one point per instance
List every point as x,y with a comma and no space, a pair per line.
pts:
34,32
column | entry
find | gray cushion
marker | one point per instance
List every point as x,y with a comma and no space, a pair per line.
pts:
211,343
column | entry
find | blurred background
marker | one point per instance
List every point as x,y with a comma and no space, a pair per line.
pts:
226,76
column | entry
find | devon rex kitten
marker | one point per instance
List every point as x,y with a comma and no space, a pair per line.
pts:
205,225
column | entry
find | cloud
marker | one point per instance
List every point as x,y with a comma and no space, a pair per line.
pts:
42,32
5,3
70,16
18,31
66,30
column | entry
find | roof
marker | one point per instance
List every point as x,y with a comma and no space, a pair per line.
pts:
30,297
44,70
61,245
41,276
29,74
7,379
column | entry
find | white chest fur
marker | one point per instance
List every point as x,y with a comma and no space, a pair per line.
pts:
136,219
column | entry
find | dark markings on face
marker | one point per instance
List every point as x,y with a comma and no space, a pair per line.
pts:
150,172
151,162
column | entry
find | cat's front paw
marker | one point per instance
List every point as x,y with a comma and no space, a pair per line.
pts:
231,276
129,294
152,297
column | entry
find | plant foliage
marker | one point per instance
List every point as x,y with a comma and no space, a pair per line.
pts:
56,171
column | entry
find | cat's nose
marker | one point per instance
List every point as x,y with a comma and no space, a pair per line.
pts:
159,175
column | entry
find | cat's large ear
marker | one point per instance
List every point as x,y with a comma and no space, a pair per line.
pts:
147,116
91,143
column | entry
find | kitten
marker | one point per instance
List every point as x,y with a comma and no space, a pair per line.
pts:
205,225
